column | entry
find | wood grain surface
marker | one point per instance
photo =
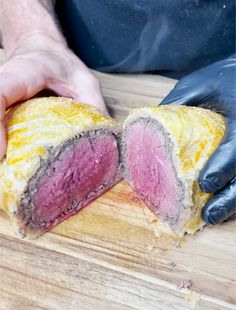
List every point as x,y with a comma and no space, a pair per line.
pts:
111,255
124,92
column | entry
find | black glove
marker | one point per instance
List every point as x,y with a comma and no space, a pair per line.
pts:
214,88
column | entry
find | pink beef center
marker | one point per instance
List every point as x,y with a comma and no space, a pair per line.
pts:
73,178
150,170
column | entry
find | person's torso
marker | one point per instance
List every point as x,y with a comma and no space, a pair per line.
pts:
171,37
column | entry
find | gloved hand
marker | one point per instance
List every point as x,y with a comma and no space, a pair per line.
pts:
214,88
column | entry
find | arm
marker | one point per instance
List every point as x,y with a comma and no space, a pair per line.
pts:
21,20
38,58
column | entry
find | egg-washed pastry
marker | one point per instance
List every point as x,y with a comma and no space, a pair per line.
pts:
163,152
60,156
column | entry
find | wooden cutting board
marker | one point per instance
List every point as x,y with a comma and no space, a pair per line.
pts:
110,256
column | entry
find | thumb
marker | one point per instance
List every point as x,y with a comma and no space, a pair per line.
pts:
18,81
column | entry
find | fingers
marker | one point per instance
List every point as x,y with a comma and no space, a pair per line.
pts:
185,92
84,88
221,166
221,206
94,97
88,89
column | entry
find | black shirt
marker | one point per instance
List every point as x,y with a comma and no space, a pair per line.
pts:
171,37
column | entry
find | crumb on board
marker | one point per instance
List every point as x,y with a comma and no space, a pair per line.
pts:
184,284
151,247
193,298
176,243
22,232
172,264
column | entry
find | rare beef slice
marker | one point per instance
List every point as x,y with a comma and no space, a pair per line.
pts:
163,151
60,156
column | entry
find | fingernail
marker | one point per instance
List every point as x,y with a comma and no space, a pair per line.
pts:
210,183
215,215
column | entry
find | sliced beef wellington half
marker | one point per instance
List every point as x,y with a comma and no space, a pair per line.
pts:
163,152
60,156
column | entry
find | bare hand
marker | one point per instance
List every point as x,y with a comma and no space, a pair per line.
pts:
43,63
